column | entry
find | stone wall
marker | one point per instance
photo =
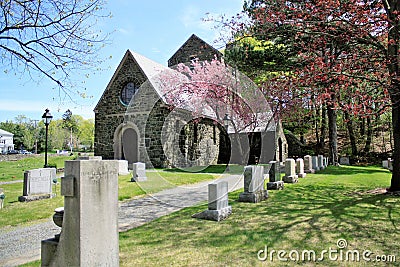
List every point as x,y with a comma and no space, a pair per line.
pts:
193,48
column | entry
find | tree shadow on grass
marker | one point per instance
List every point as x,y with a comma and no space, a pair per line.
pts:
351,170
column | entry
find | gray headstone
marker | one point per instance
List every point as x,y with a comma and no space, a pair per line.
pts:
315,164
321,164
254,190
344,161
90,158
89,235
38,184
275,172
2,196
217,195
300,168
308,168
385,164
290,171
390,164
138,172
218,208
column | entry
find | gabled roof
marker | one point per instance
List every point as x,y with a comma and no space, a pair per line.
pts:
193,38
5,133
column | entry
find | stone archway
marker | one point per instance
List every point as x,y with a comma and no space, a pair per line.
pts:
126,143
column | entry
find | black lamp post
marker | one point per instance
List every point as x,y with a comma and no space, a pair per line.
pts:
46,119
226,121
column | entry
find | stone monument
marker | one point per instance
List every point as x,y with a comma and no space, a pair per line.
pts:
138,172
321,163
300,168
90,158
254,189
218,206
308,168
89,235
290,171
2,197
275,181
38,184
123,167
315,165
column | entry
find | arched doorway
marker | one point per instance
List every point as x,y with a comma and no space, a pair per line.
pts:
130,145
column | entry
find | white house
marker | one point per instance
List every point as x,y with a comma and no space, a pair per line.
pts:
6,141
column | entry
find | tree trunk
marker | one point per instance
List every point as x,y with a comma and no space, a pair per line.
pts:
323,127
395,182
352,136
332,116
368,142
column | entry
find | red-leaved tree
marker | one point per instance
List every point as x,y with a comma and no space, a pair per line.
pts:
347,54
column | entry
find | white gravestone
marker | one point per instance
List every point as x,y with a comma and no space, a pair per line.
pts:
254,190
290,171
89,235
138,172
385,164
2,197
218,206
38,184
123,167
300,168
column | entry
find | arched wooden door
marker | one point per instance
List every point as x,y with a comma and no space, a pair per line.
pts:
130,145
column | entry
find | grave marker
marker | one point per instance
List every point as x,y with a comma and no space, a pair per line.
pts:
275,182
300,168
254,190
2,197
123,167
138,172
308,168
89,235
315,165
290,171
321,164
218,206
38,184
344,161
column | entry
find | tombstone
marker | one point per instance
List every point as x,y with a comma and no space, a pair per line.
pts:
300,168
385,164
308,168
254,190
290,171
326,161
123,167
344,161
2,197
315,165
218,206
138,172
321,164
89,235
90,158
390,164
275,182
38,184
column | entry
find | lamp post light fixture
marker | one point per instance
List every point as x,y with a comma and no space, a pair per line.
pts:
226,121
46,119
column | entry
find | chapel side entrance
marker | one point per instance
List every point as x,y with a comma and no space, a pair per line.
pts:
126,144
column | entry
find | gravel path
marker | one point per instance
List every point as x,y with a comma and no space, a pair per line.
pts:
20,245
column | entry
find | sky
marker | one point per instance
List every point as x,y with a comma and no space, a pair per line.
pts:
156,29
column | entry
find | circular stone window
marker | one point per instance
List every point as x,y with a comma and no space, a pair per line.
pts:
128,92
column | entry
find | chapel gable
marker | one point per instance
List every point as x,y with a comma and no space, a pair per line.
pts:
194,48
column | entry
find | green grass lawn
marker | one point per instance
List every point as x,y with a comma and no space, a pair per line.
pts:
311,215
336,203
14,170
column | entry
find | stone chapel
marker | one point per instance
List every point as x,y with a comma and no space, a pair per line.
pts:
134,121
